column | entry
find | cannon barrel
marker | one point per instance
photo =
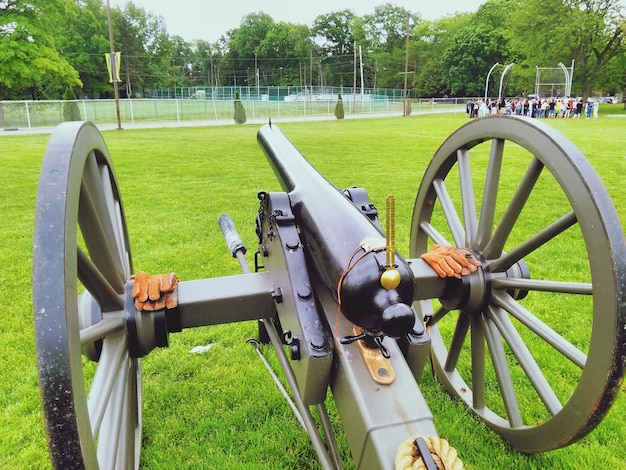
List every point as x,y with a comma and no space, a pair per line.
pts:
333,230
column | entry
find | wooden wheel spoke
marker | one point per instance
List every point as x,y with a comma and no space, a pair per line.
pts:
503,374
579,288
460,333
438,315
467,196
478,364
97,285
539,239
433,234
113,356
452,216
490,193
103,328
526,360
112,434
542,330
496,244
98,231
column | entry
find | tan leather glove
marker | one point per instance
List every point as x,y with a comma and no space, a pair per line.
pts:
448,261
155,292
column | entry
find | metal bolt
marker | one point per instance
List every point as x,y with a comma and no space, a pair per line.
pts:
304,292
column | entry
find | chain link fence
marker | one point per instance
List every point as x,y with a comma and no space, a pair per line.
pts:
16,115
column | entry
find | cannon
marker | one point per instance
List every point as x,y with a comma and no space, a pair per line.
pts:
521,329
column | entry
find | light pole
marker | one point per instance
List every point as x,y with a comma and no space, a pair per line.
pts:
487,80
568,79
406,70
502,79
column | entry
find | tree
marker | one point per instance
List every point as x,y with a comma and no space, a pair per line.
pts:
243,46
385,29
30,63
590,32
82,39
240,111
335,32
146,49
280,53
470,55
182,64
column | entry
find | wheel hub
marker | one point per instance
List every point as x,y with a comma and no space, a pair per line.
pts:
472,292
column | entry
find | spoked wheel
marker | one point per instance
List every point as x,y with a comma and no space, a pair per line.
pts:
81,256
534,342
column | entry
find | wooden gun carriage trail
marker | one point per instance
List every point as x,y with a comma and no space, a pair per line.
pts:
538,354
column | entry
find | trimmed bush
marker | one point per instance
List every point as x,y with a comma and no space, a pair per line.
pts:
339,113
70,109
240,111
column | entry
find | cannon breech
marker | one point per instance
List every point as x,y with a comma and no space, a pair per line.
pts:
333,230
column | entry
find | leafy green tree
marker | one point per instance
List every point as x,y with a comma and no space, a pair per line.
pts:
590,32
281,51
243,46
147,49
339,112
470,55
83,39
182,61
70,107
385,29
335,31
30,63
240,111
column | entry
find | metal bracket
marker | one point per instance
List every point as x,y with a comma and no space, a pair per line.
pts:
304,327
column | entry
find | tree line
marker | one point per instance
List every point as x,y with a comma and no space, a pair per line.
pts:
47,46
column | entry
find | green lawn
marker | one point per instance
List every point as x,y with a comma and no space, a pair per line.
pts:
220,409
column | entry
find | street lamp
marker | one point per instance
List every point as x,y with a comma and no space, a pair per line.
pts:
487,80
502,79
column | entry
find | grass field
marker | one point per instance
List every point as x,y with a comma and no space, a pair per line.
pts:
220,409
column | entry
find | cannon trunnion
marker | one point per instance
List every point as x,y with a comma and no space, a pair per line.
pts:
513,333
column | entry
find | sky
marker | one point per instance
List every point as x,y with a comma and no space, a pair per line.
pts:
201,19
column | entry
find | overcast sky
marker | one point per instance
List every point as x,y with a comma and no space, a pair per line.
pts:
208,20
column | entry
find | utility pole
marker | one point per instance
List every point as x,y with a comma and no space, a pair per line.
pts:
354,86
406,70
114,68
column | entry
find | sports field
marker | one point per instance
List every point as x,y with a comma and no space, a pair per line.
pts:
220,409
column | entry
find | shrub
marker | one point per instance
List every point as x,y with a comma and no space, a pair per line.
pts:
70,109
339,113
240,111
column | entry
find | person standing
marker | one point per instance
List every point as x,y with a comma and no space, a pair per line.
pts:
596,108
579,109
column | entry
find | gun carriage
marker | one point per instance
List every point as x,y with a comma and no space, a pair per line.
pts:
317,292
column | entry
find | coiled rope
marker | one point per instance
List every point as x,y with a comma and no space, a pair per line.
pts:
443,454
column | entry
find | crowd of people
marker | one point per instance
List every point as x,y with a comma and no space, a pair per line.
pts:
535,107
